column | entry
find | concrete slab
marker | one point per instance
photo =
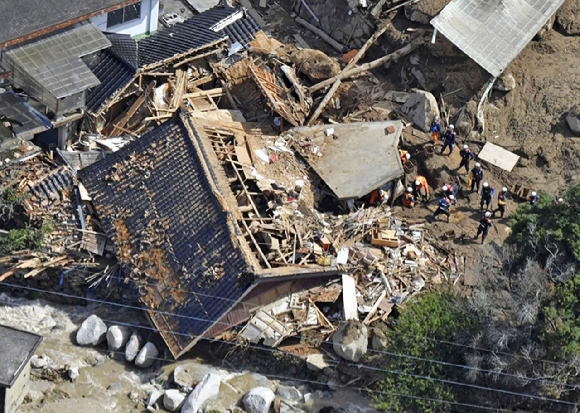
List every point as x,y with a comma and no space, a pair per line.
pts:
498,156
356,158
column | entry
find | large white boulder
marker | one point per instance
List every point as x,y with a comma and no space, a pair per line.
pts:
92,332
147,356
421,107
350,341
154,397
133,346
117,337
207,388
173,399
258,400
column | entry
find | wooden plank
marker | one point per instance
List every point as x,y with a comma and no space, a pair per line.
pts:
498,156
340,47
375,307
349,298
324,102
301,41
245,160
205,93
112,129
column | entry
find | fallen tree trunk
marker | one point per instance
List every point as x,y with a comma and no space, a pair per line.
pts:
322,34
324,102
415,44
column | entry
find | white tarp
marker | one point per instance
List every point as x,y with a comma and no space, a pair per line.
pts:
498,156
494,32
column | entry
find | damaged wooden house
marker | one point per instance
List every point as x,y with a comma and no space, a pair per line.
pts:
166,203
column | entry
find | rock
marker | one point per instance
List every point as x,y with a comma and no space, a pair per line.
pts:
115,386
244,382
133,346
73,373
154,397
117,337
350,340
134,396
379,340
41,362
421,107
289,393
423,11
315,64
34,396
316,362
146,356
545,28
258,400
573,120
173,399
505,82
94,360
289,408
92,332
568,17
207,388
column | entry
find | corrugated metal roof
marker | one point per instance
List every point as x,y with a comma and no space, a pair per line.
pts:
494,32
158,205
54,61
113,73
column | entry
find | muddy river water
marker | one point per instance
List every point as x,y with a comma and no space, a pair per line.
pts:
106,382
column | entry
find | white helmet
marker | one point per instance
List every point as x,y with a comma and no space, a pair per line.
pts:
485,184
445,188
560,200
417,183
409,189
436,117
451,197
477,165
465,147
534,193
504,189
451,127
408,156
488,214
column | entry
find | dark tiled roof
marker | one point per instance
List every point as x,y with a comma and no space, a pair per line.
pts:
17,348
25,17
158,204
113,73
193,34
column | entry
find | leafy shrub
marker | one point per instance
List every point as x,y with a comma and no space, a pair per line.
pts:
25,238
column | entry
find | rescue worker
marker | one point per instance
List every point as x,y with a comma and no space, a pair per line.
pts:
449,189
501,201
486,195
421,188
378,195
561,201
408,199
484,225
444,204
475,177
466,157
533,198
450,136
435,129
405,155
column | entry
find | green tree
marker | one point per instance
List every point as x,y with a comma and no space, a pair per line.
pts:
434,315
547,226
25,238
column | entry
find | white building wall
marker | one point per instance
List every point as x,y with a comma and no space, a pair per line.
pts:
147,24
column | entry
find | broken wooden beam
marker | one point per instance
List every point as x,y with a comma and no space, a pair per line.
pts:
340,47
366,46
324,102
415,44
114,128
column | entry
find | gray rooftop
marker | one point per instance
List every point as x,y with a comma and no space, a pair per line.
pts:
17,348
364,156
26,17
494,32
54,61
13,107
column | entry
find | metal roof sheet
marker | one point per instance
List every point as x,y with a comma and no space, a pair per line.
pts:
17,348
13,107
54,61
494,32
157,203
363,157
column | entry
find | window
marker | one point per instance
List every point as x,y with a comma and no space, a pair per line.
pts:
124,15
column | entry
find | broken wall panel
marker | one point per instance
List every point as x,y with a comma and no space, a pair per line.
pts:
494,32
